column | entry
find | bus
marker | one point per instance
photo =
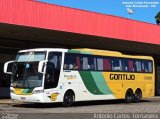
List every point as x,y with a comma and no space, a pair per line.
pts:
50,75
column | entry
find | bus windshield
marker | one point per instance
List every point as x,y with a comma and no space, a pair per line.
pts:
25,70
30,56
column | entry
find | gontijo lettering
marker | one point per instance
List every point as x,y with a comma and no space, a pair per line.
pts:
122,77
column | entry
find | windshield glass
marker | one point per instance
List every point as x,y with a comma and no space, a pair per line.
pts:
25,70
30,56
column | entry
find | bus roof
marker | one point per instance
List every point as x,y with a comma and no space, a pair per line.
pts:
109,53
97,52
44,49
90,51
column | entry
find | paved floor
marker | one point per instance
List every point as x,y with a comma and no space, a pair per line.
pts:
81,109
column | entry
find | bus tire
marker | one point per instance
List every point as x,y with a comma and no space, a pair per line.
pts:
137,96
68,99
129,96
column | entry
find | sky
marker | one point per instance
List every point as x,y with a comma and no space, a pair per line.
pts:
143,10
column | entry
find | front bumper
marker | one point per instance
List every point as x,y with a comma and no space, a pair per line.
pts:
37,98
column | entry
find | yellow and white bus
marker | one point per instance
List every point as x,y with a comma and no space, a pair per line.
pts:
52,75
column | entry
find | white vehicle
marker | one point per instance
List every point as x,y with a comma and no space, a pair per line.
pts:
52,75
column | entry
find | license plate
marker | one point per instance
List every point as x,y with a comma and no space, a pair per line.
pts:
23,98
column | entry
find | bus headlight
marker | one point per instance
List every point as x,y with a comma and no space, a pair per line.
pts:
38,91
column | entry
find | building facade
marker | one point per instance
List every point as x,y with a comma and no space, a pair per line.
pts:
30,24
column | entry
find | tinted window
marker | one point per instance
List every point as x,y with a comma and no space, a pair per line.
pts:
116,64
53,70
150,66
72,61
137,66
91,63
130,65
98,63
55,58
125,65
146,66
107,64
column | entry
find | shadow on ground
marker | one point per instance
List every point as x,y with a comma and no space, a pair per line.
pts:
77,104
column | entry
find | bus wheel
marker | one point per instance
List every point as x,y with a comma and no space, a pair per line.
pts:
129,96
137,96
68,99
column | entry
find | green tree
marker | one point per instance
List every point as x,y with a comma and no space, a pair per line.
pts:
157,17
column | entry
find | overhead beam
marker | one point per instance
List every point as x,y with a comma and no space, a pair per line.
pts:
30,37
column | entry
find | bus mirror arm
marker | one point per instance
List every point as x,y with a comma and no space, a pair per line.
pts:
41,66
6,67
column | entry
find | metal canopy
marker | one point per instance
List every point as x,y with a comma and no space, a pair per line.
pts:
22,37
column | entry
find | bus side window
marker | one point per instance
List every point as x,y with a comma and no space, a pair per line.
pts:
91,65
145,67
137,66
78,64
66,62
85,65
70,61
130,64
106,63
116,64
125,65
100,64
95,63
150,67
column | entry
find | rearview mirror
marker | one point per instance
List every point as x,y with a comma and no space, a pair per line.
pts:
8,67
41,66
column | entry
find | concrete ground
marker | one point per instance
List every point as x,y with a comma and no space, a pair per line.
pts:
93,109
